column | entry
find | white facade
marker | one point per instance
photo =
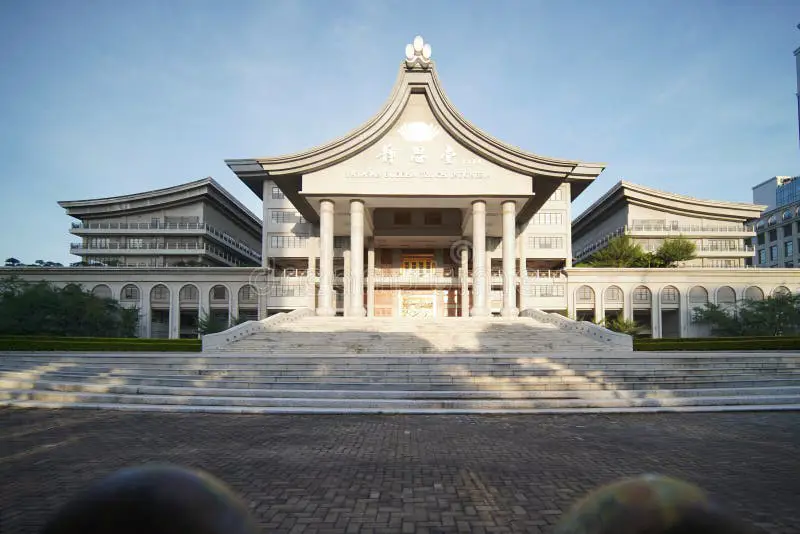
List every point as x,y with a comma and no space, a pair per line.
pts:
418,213
719,229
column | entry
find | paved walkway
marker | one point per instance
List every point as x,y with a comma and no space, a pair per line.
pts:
406,473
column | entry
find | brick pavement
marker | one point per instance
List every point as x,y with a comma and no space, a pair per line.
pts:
359,473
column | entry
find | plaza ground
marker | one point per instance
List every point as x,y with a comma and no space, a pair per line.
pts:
406,473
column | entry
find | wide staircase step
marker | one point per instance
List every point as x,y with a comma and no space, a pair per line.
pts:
464,382
376,335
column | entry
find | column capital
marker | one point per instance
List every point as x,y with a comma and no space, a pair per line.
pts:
509,206
356,205
326,203
478,204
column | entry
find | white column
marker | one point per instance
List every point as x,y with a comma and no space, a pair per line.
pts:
266,196
174,312
326,297
509,259
233,306
311,285
357,258
345,284
479,280
464,277
655,312
523,271
371,279
203,304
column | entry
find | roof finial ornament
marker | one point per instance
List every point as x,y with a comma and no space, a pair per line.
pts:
418,54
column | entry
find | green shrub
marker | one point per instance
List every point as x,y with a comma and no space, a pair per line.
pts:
718,344
32,343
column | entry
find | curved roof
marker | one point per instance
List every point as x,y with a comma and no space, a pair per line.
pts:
632,193
180,194
417,75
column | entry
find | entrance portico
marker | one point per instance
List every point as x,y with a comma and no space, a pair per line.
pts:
417,181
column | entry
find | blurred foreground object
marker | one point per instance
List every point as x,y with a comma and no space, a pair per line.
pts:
650,504
154,500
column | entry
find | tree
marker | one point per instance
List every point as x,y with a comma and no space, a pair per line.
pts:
676,250
774,316
623,326
211,324
13,262
40,308
621,251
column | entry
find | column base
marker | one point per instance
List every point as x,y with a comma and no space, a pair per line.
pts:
357,312
326,312
480,312
509,312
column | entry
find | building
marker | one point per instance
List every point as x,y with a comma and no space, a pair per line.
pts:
777,239
777,191
649,216
197,223
445,215
418,213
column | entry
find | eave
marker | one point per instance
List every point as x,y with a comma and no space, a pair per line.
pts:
287,170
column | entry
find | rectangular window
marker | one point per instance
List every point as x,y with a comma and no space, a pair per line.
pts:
788,249
341,242
787,230
287,290
557,195
402,218
549,290
277,194
773,235
546,242
762,256
286,217
548,218
762,239
288,241
773,253
433,218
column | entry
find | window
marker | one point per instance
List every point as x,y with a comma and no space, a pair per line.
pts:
248,294
188,293
219,293
288,241
154,222
402,217
433,218
787,230
669,294
773,253
160,293
548,218
285,217
551,290
614,294
557,195
287,290
789,264
773,235
130,293
277,194
787,215
546,242
788,249
341,242
772,220
135,242
762,256
724,263
641,294
586,294
762,239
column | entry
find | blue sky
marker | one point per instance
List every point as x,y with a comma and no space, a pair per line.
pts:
102,98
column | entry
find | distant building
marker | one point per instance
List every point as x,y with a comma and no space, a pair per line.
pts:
776,241
650,216
777,191
193,224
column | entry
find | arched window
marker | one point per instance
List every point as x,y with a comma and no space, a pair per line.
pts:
698,296
102,291
129,293
670,295
781,291
753,293
188,293
642,295
726,295
585,294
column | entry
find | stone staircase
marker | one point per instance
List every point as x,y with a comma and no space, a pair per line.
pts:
536,381
353,335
